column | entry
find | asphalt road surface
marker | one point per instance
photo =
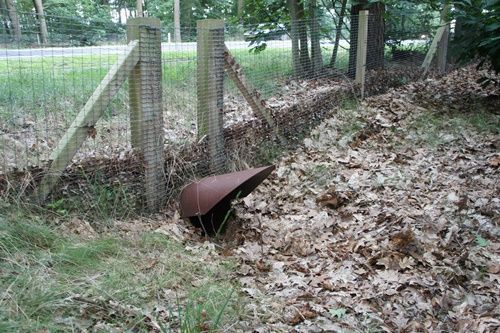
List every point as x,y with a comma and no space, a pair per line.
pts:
115,49
6,54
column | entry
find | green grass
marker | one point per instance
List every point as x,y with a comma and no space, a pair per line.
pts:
54,282
434,128
60,86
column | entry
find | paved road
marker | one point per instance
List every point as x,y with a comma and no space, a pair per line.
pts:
166,47
114,49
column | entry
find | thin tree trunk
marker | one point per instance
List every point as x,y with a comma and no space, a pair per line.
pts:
177,21
44,34
353,39
305,61
5,24
338,33
120,14
14,19
138,9
376,42
241,8
457,36
316,59
187,19
294,34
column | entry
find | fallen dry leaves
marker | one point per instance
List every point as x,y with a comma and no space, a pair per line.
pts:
366,227
372,229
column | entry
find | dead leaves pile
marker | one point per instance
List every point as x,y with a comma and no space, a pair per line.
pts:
363,229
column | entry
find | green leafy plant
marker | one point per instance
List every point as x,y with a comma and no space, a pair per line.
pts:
338,312
480,241
478,33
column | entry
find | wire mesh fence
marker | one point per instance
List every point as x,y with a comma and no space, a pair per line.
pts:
223,98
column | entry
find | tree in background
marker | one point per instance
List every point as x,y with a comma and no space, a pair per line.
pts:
177,21
316,58
187,19
139,8
376,43
14,19
44,35
84,22
479,33
338,15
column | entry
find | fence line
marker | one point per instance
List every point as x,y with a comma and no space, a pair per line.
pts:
205,124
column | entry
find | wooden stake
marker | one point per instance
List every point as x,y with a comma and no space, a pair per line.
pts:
442,50
361,49
441,31
252,97
84,123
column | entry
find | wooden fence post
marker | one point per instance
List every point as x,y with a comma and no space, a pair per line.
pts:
442,50
210,89
440,41
146,114
361,49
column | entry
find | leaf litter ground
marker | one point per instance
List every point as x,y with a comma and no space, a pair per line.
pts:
385,219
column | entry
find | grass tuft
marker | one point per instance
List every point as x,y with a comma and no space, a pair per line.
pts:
59,283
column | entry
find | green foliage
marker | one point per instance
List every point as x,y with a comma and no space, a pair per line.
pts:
339,313
85,22
478,35
409,20
481,242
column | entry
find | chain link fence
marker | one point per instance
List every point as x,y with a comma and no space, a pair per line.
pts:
141,115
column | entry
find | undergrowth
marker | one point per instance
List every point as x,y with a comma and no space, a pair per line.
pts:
57,282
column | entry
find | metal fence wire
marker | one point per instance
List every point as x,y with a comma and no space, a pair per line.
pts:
138,110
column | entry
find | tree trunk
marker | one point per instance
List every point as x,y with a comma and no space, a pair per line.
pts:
376,42
457,36
44,34
187,18
14,19
305,61
177,21
119,8
294,34
353,38
5,23
241,8
138,9
316,59
375,47
338,33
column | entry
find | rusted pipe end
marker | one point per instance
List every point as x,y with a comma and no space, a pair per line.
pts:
207,202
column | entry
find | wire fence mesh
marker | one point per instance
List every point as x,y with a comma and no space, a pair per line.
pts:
223,99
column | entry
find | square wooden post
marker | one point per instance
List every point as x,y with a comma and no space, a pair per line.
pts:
361,50
146,114
442,50
439,43
210,89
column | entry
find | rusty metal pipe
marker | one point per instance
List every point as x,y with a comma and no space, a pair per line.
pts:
207,202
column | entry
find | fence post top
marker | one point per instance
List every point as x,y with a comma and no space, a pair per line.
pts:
137,21
210,24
